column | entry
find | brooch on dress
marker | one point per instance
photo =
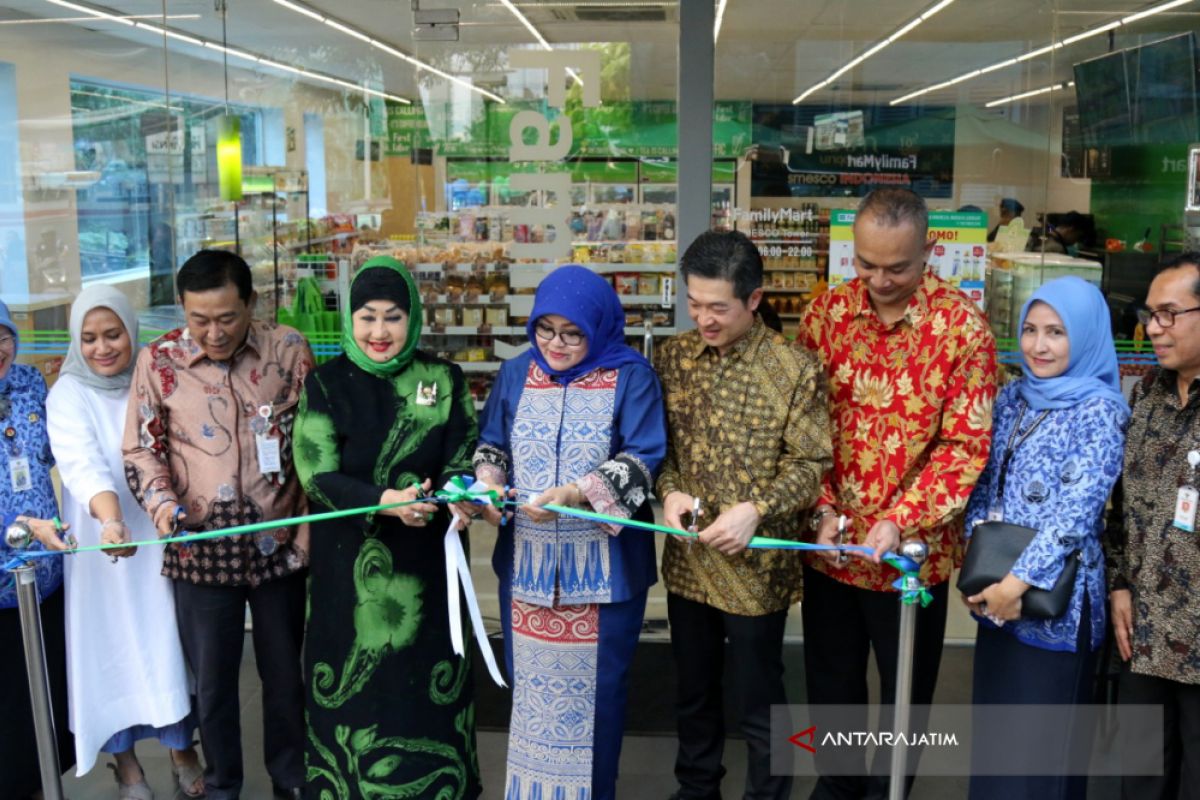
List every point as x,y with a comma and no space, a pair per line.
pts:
426,395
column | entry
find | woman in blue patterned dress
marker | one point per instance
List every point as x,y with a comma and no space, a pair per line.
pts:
1058,439
27,500
577,420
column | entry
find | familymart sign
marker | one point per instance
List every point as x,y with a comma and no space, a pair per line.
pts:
551,143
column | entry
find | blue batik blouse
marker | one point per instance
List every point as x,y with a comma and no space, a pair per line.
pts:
23,433
607,432
1058,483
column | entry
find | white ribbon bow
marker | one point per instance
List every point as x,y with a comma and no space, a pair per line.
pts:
458,569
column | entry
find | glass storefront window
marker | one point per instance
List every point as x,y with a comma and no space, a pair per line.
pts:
154,176
361,137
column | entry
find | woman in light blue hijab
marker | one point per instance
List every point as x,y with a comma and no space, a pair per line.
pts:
1058,441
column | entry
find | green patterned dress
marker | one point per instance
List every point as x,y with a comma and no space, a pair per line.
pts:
390,706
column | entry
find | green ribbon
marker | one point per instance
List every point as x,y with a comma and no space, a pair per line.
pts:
900,563
910,596
237,530
456,490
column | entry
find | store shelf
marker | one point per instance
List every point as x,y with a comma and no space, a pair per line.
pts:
333,237
482,300
642,299
462,266
610,268
528,276
474,330
658,330
479,366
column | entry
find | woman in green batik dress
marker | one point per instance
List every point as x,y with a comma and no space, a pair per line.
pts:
390,706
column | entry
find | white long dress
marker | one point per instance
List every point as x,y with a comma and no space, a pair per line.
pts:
124,658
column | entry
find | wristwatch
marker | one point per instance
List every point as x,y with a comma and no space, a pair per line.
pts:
821,513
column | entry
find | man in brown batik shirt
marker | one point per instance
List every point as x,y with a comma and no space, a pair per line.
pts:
1153,561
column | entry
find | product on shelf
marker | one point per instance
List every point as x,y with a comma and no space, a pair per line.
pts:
626,282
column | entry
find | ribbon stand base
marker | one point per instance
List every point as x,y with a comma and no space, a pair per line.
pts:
39,683
916,551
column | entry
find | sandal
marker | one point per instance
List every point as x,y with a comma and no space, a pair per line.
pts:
186,775
132,791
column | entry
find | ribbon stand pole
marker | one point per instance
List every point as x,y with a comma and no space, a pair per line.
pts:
917,552
39,683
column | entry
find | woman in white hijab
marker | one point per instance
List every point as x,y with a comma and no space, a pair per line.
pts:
126,677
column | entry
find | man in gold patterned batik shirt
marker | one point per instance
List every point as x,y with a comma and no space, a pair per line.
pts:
748,438
912,376
1153,555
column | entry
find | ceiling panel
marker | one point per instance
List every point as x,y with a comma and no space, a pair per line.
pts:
769,50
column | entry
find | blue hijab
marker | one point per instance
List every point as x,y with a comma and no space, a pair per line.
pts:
1092,368
588,301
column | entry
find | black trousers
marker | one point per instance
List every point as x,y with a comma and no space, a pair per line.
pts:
20,773
698,634
1181,738
842,624
212,628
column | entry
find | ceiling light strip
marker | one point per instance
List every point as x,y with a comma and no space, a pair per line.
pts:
1070,40
720,18
99,13
607,4
1033,93
350,30
875,48
92,18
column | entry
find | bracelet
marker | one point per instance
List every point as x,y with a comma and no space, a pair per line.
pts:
821,513
162,503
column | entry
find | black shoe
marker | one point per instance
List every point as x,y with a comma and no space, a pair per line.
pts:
288,794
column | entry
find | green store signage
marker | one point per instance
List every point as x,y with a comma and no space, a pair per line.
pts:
615,130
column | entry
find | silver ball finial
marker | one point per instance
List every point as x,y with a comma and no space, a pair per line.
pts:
18,536
914,549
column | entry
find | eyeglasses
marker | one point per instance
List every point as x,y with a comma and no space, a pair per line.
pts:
570,338
7,341
1165,317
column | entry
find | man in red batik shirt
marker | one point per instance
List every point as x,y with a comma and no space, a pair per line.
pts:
912,375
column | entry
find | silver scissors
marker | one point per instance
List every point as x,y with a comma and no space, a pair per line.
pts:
177,526
842,556
695,526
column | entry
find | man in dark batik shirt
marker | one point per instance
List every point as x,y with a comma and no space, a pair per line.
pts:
1153,559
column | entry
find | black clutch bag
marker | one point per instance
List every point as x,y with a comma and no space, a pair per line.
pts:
995,547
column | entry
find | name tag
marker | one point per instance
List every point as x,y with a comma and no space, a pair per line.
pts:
1185,508
268,454
18,472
